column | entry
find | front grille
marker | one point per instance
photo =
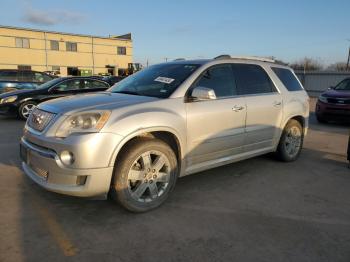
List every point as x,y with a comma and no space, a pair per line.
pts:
40,172
39,119
339,101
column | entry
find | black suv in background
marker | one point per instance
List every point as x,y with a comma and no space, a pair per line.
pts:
21,102
12,79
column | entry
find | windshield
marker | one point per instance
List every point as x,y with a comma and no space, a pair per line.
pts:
344,85
156,81
49,83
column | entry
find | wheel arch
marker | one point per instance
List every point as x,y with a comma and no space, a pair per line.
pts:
166,134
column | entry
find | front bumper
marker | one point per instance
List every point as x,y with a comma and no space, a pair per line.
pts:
43,165
332,111
8,109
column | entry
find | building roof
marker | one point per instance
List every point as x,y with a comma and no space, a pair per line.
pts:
121,37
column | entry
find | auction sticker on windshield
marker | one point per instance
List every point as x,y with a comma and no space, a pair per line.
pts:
164,80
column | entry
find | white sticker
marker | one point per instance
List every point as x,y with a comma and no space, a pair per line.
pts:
164,80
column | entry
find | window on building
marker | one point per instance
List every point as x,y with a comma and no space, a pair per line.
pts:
56,69
71,47
24,67
121,50
252,79
22,42
72,71
54,45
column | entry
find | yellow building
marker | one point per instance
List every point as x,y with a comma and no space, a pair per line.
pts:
70,54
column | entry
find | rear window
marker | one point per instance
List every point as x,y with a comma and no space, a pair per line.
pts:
287,78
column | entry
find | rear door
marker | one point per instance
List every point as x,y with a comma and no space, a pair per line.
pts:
215,127
264,106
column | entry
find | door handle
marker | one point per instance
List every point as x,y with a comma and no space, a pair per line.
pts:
237,108
277,103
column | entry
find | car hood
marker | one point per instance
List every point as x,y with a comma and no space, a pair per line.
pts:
94,101
337,93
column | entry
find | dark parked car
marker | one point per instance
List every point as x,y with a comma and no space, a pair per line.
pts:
112,79
334,104
21,102
12,79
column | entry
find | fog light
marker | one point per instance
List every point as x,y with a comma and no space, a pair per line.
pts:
67,158
81,180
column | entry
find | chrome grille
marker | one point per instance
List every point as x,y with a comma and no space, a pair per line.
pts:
39,119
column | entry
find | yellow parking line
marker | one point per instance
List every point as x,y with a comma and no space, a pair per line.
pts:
56,231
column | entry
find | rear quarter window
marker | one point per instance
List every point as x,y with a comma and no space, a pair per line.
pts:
287,78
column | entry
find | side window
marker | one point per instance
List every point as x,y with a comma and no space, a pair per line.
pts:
343,85
219,78
92,84
26,76
40,77
68,85
287,78
9,75
252,79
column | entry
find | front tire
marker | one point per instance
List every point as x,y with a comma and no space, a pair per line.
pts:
291,141
25,109
144,175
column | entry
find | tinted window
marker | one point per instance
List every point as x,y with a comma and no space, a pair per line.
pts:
343,85
91,84
69,85
156,81
40,77
287,78
27,76
220,79
252,79
8,75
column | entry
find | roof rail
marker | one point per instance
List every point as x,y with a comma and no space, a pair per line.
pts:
179,59
256,58
223,57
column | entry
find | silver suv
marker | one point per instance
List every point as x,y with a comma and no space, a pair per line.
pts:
166,121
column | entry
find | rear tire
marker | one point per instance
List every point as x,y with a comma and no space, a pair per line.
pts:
144,175
291,141
25,109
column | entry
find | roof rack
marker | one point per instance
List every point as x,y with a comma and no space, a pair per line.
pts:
179,59
256,58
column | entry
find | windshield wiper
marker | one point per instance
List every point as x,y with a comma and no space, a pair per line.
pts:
127,92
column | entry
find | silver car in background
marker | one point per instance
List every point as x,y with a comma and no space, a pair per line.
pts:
166,121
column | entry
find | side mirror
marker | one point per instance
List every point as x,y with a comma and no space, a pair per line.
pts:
203,93
331,87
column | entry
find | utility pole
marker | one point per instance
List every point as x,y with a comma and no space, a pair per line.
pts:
347,64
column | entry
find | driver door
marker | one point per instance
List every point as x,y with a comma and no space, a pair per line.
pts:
65,88
215,127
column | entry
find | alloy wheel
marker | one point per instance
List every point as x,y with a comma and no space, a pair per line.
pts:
293,141
148,177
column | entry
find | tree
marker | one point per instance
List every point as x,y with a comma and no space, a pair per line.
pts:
307,64
338,66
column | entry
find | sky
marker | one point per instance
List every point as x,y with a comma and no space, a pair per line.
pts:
287,30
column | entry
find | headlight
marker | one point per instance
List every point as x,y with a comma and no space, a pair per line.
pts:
87,122
8,99
323,99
